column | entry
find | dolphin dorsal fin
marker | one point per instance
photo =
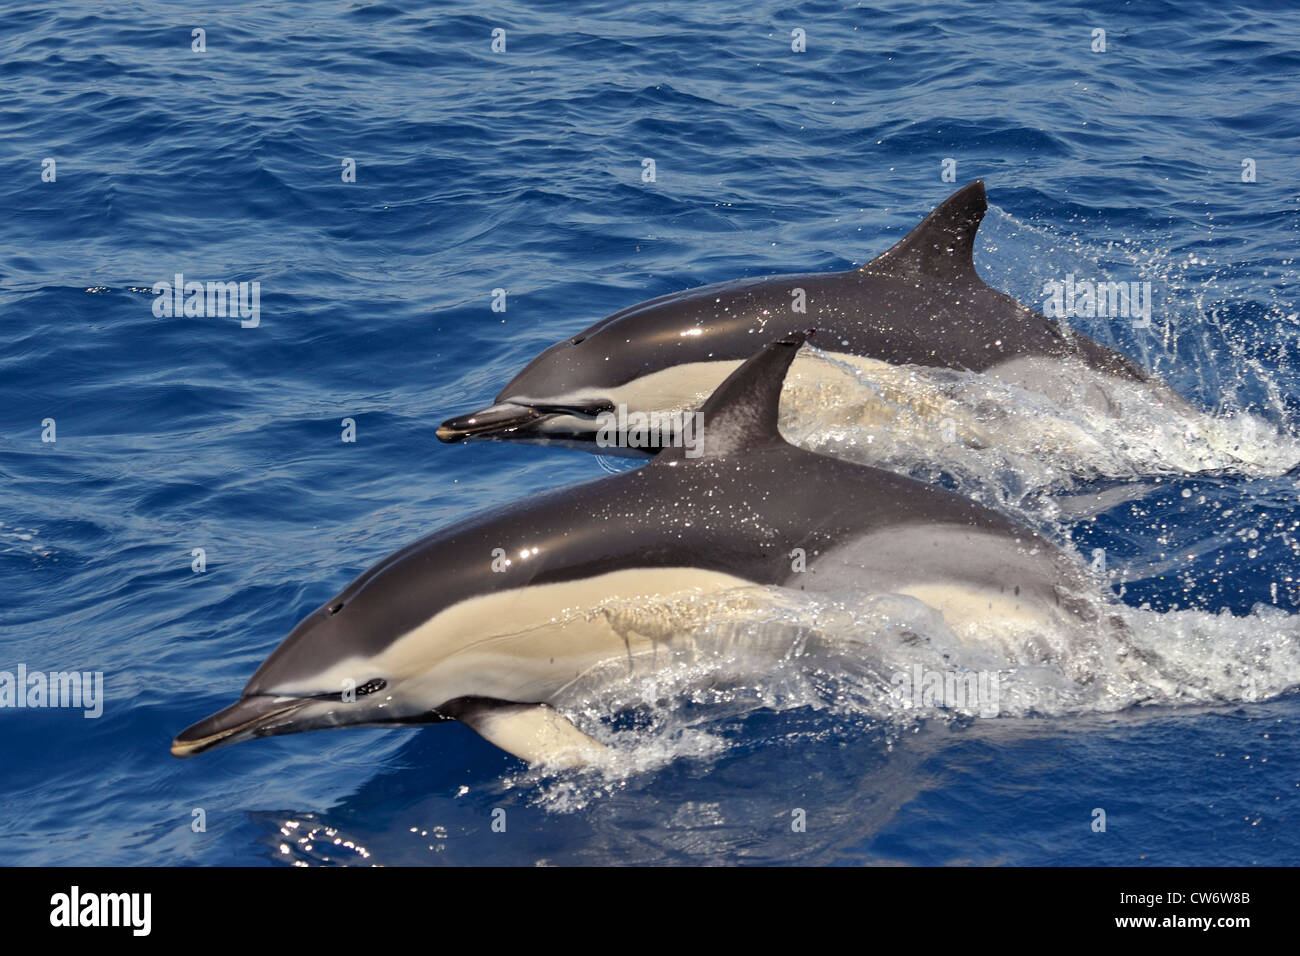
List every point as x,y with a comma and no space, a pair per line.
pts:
742,411
943,245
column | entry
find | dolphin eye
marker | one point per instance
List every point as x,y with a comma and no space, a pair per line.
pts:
334,608
577,340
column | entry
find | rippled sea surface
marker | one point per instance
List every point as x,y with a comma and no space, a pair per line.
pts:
522,171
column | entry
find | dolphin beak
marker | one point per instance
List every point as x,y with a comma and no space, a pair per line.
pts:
491,422
257,716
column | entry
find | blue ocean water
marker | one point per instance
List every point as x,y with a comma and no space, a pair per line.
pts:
522,170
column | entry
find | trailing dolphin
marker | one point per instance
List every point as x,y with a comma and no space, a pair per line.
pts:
490,620
919,306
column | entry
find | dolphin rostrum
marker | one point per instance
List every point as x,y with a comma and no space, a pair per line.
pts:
921,304
488,621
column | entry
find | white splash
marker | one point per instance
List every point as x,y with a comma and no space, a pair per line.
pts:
856,655
983,430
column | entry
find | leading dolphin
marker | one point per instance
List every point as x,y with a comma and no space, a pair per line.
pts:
485,621
919,304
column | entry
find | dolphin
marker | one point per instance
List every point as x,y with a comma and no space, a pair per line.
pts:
487,621
919,304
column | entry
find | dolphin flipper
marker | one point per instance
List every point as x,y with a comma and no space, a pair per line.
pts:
534,733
